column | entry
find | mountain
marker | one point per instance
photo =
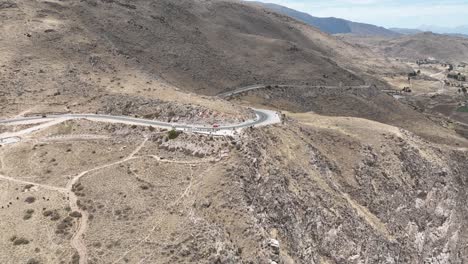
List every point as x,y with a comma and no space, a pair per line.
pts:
418,46
206,48
409,31
332,25
406,31
348,175
463,30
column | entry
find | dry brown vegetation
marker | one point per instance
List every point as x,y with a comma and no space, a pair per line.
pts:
350,176
417,47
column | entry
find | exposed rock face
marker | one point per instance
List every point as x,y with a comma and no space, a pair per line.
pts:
167,111
7,4
197,146
317,190
400,200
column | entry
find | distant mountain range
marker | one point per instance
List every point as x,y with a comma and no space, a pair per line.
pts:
334,25
413,47
458,32
446,30
406,31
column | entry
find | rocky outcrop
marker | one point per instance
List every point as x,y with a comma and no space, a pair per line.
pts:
167,111
399,201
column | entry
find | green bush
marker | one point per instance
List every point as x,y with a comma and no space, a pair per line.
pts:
463,109
173,134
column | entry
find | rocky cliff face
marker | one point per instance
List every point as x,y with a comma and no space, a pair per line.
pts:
331,195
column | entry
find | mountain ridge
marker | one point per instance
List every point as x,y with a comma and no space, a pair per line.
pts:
332,25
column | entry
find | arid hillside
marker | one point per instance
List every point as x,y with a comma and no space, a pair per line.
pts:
368,103
86,47
330,174
418,46
210,45
315,188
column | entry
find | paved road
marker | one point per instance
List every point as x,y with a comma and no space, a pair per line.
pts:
263,118
263,86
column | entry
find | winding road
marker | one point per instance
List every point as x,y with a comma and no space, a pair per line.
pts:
264,86
263,118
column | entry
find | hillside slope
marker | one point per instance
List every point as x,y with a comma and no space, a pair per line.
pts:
253,44
201,46
418,46
322,189
326,187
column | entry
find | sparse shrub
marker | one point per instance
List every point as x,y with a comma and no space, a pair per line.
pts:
173,134
55,216
68,220
28,214
28,186
47,213
75,214
32,261
97,244
30,199
20,241
75,259
62,226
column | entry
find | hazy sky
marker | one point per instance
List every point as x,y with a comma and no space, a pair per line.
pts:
396,13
